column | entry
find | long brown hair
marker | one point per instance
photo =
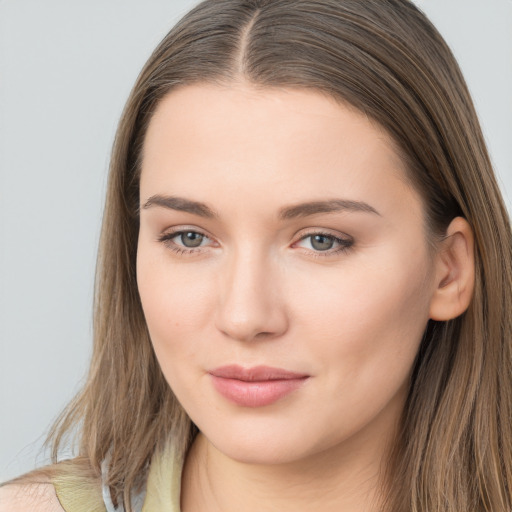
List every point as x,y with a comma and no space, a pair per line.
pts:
454,451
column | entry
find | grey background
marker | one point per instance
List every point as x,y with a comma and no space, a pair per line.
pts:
65,71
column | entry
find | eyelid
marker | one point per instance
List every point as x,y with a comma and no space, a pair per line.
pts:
184,228
304,233
345,241
166,237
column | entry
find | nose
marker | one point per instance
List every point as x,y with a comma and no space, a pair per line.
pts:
251,304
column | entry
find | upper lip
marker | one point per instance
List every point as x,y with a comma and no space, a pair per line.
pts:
255,374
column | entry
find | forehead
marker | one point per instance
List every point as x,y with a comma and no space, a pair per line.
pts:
253,141
254,116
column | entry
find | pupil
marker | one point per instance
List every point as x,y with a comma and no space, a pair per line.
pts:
322,242
191,239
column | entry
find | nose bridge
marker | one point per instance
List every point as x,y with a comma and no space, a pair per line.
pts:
250,303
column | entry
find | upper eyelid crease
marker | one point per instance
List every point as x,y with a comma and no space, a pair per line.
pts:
173,234
344,243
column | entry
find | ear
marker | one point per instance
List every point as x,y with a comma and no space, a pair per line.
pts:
454,272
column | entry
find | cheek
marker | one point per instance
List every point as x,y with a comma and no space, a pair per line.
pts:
368,319
362,328
177,304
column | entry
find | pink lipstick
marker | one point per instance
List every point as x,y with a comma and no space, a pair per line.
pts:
257,386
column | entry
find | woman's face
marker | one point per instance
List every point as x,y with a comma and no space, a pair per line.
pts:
283,269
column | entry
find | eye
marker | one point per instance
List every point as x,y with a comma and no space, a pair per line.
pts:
189,239
184,241
324,243
321,242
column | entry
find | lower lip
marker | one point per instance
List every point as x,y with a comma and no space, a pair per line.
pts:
257,393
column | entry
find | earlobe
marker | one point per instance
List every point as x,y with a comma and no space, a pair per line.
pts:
454,272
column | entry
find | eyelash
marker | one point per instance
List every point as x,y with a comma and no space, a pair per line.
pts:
167,240
345,244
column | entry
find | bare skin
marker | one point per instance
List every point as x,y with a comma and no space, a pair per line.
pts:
278,228
29,498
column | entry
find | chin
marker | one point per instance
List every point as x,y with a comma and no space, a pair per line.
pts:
270,444
259,453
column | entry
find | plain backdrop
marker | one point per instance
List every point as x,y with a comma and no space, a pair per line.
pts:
66,69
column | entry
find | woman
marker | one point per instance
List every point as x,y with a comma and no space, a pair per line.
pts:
304,277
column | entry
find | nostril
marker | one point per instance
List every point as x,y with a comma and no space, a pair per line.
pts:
264,334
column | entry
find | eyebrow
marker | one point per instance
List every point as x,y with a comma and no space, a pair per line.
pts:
330,206
289,212
180,204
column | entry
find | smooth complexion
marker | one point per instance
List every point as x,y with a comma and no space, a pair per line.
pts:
279,236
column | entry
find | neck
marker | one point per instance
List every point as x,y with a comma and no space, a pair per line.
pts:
338,479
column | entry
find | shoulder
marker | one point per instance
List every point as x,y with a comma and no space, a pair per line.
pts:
68,486
29,497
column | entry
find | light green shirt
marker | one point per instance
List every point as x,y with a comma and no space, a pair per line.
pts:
162,489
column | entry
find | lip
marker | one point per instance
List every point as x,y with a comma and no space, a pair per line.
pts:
257,386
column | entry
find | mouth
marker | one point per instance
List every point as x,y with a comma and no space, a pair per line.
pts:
257,386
